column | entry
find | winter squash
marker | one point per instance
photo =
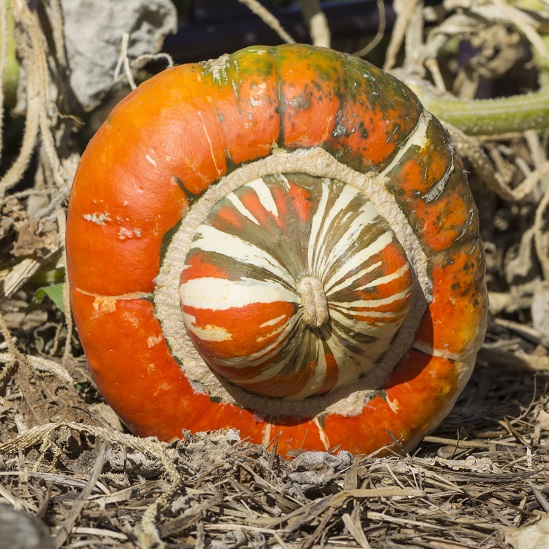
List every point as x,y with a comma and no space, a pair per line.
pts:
280,241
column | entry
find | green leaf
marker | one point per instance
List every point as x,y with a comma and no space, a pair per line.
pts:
54,292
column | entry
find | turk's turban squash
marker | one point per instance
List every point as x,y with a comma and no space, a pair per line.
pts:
281,241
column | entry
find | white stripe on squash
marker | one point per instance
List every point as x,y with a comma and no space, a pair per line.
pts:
218,294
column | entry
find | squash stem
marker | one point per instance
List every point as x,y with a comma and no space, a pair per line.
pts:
313,301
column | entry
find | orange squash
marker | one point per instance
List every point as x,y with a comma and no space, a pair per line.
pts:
280,241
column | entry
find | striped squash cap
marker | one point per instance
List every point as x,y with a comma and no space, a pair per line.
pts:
280,241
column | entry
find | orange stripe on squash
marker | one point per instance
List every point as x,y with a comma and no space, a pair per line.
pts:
311,98
458,282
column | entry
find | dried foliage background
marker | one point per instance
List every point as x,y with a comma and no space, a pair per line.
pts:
71,476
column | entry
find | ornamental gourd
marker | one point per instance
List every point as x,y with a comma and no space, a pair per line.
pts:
280,241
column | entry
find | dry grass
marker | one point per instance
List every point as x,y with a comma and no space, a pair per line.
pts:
483,474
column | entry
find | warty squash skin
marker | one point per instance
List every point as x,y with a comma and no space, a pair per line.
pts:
280,241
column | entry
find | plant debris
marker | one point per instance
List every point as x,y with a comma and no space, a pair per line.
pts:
483,475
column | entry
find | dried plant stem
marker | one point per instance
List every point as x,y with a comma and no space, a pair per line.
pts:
33,192
526,25
17,358
20,274
380,31
536,148
414,45
485,117
405,14
78,505
58,34
32,124
316,22
470,148
6,374
40,65
61,223
162,56
124,63
148,533
533,178
542,63
32,50
268,18
124,66
541,237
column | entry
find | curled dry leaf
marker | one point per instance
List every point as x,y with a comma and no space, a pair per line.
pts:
532,536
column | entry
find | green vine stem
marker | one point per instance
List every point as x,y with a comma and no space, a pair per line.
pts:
493,116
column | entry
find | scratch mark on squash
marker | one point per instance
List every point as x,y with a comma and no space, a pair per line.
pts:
438,189
122,297
429,350
266,438
210,144
322,434
327,132
393,404
193,169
